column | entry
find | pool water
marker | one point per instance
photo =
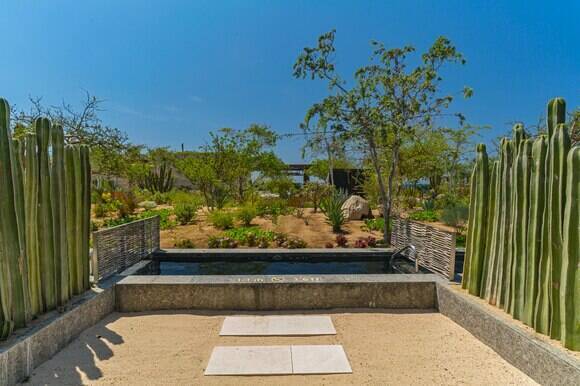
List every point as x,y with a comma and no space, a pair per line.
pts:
253,267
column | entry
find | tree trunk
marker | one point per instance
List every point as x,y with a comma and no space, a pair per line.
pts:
385,198
389,199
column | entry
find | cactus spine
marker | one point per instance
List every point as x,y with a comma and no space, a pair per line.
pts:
57,178
570,280
534,238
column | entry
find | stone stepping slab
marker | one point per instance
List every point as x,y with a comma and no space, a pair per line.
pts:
280,325
278,360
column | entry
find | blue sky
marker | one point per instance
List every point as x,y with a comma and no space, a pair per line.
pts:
171,71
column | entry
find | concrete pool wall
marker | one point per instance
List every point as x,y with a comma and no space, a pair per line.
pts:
30,347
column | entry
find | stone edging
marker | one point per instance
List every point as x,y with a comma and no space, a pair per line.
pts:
28,348
545,364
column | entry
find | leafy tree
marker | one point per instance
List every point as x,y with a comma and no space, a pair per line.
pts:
386,103
321,168
225,165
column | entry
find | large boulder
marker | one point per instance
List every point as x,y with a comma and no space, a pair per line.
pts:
356,208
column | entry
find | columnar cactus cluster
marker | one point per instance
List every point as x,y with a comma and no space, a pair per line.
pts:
523,245
44,231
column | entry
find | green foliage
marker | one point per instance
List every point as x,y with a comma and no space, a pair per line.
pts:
100,210
315,191
251,236
223,168
383,107
221,219
331,206
185,213
159,179
221,242
246,214
165,221
455,216
428,205
272,207
424,215
184,244
374,224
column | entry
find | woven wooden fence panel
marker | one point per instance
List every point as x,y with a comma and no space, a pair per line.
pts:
117,248
435,247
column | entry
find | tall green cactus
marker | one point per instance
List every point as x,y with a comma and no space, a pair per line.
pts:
71,230
488,265
505,243
78,196
9,225
58,195
570,280
521,206
86,211
31,208
559,147
534,238
556,114
45,229
19,206
476,248
518,135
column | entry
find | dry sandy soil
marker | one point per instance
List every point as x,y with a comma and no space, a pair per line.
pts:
383,347
312,228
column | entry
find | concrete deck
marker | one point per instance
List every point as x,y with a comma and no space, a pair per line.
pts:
174,347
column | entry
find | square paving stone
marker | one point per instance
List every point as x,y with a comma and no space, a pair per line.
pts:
281,325
320,359
250,360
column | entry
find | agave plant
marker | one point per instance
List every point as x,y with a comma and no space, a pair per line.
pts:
331,206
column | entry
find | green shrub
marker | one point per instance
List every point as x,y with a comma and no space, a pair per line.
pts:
374,224
148,204
295,243
160,198
246,214
424,215
331,206
428,205
250,236
455,215
221,219
272,207
100,210
221,242
184,244
185,213
164,217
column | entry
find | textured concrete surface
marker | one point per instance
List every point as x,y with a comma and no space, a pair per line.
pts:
544,363
319,359
250,360
31,346
287,292
282,325
384,347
